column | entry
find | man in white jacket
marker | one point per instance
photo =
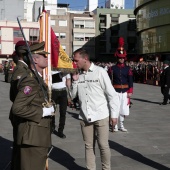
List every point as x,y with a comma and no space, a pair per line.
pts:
97,97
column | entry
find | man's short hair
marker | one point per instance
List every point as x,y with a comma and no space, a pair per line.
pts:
82,52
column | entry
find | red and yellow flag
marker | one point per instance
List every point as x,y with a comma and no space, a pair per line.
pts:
59,59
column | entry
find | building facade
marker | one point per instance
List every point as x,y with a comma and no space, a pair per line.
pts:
110,25
115,4
83,32
10,34
153,27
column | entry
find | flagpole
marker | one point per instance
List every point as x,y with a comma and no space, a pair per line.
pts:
43,6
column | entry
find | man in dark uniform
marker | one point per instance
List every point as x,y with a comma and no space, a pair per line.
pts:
34,119
165,82
19,57
122,80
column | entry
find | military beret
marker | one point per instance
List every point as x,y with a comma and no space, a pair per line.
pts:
21,47
165,62
38,48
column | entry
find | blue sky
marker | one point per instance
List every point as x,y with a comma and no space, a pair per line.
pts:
80,4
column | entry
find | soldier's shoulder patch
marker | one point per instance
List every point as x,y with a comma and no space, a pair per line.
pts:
27,90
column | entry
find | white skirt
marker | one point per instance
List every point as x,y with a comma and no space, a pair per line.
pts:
124,104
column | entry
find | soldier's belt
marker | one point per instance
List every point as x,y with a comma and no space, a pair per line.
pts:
120,86
62,89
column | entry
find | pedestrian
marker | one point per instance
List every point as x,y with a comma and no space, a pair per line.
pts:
122,80
165,82
34,119
61,83
96,96
21,68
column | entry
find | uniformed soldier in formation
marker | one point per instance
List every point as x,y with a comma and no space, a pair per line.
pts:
34,119
165,82
122,79
20,58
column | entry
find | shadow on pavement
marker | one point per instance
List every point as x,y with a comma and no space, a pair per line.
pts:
147,101
74,115
5,152
136,156
64,159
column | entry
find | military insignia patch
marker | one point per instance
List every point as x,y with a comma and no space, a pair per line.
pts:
27,90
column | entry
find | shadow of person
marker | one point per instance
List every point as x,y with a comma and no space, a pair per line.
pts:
136,156
64,159
74,115
146,101
5,152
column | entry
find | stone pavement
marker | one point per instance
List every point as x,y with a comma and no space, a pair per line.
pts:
146,146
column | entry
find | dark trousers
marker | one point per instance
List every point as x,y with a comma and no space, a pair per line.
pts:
165,92
60,97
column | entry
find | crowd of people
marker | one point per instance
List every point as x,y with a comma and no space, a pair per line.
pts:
143,71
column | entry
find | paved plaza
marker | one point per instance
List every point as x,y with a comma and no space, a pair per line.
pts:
146,145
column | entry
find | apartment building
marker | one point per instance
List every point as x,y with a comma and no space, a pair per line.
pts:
74,29
83,32
10,34
110,25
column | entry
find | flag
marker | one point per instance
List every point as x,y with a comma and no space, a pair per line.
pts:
59,59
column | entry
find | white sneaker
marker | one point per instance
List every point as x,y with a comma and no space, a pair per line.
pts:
115,129
123,129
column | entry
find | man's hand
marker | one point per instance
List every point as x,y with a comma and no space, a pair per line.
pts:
113,121
75,76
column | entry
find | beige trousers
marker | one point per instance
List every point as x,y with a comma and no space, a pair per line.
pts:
98,130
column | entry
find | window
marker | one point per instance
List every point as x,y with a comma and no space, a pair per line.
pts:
103,19
78,24
62,35
63,23
57,35
17,33
114,20
34,34
89,36
78,36
89,24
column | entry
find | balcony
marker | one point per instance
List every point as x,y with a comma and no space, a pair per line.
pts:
102,25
